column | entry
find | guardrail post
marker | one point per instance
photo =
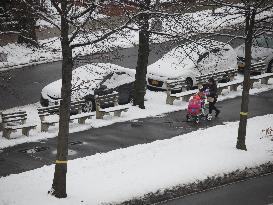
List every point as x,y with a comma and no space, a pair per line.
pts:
264,80
234,87
186,98
99,114
231,77
219,90
168,91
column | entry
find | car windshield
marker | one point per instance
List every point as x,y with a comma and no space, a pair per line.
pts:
215,50
264,41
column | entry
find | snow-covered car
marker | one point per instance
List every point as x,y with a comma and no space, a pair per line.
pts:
262,50
91,80
191,60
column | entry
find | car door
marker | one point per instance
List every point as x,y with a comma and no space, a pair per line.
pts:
104,87
262,47
216,60
208,62
121,82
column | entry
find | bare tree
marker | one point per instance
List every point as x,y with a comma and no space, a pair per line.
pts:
255,24
143,54
26,21
148,21
74,33
16,17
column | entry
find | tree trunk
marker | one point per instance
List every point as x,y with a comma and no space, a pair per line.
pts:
142,62
59,181
250,23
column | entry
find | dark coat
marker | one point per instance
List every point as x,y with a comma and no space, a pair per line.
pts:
212,90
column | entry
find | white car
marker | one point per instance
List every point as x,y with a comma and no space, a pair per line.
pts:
191,60
91,80
262,50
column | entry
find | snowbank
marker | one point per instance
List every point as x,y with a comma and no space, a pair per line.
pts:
132,172
19,55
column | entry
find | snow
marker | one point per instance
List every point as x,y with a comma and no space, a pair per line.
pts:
155,105
262,76
86,78
50,50
54,17
187,25
127,173
182,61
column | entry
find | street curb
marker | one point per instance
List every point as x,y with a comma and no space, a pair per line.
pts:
22,65
183,190
33,63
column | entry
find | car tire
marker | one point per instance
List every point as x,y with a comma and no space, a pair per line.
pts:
130,99
189,83
188,118
197,119
225,79
270,67
89,106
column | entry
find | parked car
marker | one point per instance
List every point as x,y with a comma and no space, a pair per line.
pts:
262,50
191,60
91,80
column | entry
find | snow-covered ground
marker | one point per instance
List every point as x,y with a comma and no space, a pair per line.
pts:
188,24
132,172
19,55
155,105
55,18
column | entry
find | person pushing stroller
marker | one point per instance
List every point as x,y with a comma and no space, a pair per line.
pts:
196,107
211,91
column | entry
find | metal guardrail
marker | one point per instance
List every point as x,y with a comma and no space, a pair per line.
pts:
232,86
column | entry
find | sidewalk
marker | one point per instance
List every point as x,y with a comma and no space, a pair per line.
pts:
124,134
143,174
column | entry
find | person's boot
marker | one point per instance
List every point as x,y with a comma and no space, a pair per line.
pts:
217,113
209,117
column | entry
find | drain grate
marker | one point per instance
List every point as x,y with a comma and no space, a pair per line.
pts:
34,150
75,143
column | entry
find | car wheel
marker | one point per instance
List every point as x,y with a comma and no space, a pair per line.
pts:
270,67
188,117
130,99
89,106
189,83
197,119
225,79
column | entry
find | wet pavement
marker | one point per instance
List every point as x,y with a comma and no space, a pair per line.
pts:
23,86
257,191
29,156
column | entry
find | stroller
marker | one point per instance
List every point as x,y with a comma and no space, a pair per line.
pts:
196,108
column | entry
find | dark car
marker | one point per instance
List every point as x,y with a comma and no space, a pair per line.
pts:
91,80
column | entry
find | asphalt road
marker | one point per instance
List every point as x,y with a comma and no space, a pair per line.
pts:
256,191
24,157
23,86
